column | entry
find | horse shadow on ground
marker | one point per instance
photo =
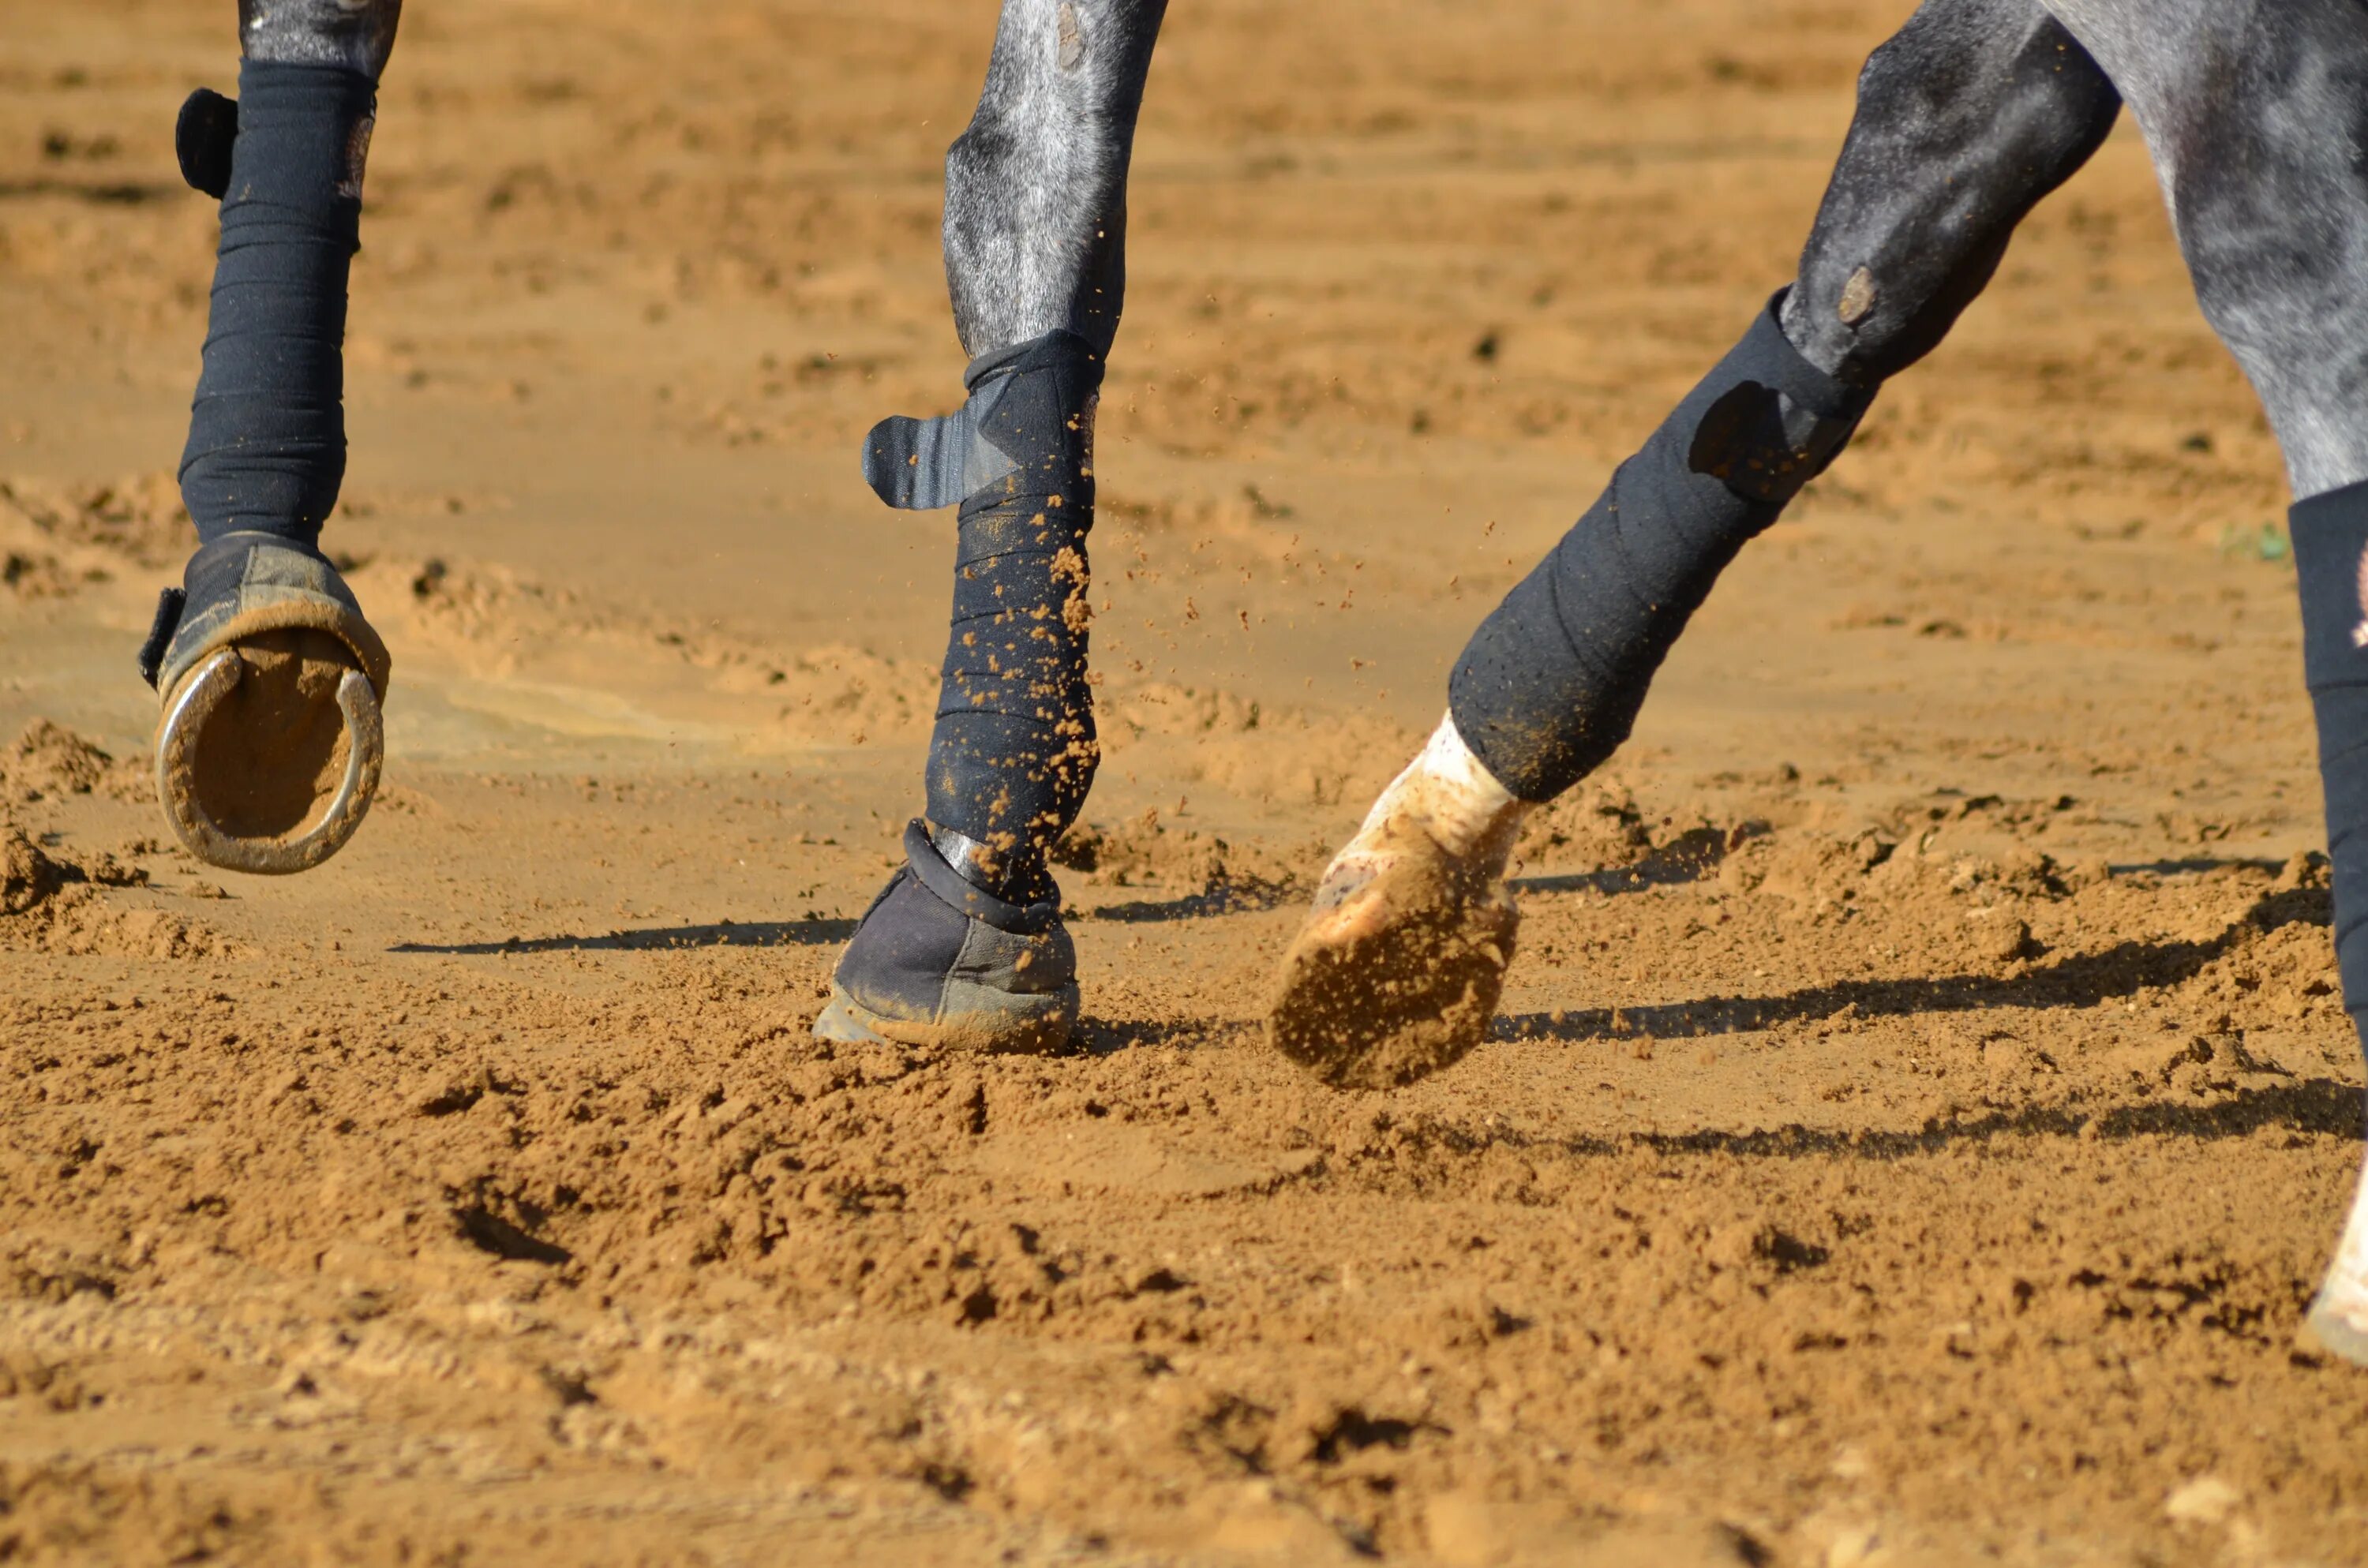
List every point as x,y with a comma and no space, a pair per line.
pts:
1218,898
121,193
2308,1106
2082,980
665,938
1688,857
1108,1037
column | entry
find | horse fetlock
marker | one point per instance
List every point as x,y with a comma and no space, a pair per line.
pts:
1445,803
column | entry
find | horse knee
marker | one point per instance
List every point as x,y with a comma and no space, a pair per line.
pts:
356,34
1965,119
1035,227
982,180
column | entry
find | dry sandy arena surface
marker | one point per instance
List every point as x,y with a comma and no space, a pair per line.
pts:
1922,1106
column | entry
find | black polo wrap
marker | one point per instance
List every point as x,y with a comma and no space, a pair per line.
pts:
1014,750
1550,683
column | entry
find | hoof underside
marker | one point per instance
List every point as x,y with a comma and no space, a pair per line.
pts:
269,753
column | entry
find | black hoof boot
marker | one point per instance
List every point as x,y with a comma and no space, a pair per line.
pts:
269,746
936,961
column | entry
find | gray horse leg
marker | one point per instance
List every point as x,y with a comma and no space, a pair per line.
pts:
966,945
2254,111
262,655
1966,118
1035,224
1975,111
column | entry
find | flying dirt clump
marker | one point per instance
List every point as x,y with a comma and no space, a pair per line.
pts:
28,876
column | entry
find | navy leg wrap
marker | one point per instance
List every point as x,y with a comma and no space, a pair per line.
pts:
1014,750
2330,543
1552,682
266,450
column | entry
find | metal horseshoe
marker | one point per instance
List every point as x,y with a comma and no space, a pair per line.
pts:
177,782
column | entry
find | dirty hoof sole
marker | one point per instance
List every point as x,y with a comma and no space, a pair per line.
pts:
181,788
1396,1003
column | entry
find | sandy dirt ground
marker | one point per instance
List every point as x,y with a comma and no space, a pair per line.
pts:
1922,1106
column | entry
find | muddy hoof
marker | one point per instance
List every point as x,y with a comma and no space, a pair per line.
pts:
1396,980
269,753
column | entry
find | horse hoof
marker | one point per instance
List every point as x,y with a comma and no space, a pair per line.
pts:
1397,980
248,747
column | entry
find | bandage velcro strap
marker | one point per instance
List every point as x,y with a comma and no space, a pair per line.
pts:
1781,424
170,604
204,138
1016,425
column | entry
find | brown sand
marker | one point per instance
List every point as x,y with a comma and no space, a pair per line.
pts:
1920,1109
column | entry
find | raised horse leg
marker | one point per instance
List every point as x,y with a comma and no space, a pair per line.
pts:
2254,111
1976,110
965,945
269,746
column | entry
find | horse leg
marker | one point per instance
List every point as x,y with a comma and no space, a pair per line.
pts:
269,746
1965,119
2253,110
965,946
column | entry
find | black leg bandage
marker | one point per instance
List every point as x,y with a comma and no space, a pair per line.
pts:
1550,683
1014,751
2330,543
267,449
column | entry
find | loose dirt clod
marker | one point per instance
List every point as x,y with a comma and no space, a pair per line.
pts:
28,876
48,758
